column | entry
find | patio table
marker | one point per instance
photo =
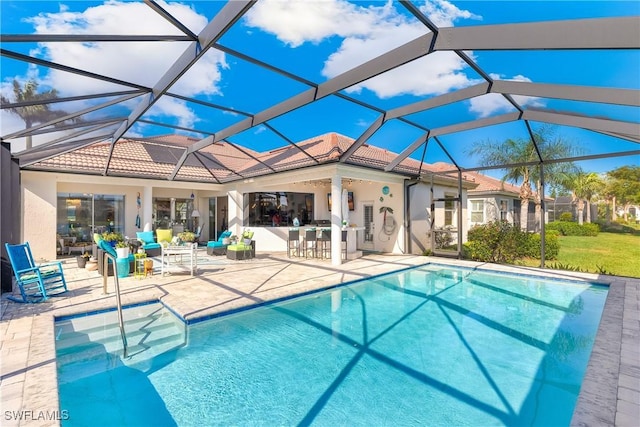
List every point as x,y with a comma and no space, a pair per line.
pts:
190,250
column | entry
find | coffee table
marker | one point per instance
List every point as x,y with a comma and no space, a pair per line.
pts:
178,253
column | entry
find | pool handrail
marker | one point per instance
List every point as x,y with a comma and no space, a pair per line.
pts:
105,272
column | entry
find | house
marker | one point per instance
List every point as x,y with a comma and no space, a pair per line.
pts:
492,200
67,196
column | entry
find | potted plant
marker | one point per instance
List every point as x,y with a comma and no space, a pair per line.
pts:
82,259
187,236
122,249
112,237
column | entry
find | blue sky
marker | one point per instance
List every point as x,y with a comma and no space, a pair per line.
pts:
317,40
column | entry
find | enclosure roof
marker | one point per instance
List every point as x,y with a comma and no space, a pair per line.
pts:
214,91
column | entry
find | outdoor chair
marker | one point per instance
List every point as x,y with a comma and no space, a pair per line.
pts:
324,243
36,282
219,247
310,242
104,246
293,242
148,243
244,249
343,244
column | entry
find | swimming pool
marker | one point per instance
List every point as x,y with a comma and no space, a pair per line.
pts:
431,345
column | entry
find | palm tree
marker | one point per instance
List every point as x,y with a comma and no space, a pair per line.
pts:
510,151
519,151
32,114
583,186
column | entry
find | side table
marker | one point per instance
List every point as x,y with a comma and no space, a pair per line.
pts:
139,259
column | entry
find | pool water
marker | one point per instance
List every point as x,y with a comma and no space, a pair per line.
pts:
426,346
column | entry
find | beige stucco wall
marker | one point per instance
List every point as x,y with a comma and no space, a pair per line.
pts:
41,189
365,185
39,215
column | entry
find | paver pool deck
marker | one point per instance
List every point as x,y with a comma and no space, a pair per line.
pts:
610,393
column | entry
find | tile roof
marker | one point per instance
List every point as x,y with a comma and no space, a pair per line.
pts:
222,161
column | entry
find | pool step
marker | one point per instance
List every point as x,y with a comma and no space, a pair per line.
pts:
150,331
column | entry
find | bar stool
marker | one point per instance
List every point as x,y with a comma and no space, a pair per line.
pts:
343,243
310,242
293,243
324,242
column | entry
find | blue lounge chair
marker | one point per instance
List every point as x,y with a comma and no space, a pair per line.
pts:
149,244
36,282
217,247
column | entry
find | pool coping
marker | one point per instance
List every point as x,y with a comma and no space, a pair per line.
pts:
608,395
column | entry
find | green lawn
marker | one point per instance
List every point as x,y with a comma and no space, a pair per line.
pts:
615,253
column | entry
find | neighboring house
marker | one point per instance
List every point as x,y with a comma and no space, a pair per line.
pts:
634,213
492,200
67,195
560,205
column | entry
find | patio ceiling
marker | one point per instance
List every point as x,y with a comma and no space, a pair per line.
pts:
112,105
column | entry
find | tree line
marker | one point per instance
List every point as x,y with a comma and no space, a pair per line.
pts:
616,188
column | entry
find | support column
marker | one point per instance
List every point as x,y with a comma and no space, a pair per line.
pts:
147,208
10,195
336,220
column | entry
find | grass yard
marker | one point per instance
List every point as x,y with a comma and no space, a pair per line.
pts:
615,253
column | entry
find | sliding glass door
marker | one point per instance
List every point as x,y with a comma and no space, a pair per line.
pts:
80,215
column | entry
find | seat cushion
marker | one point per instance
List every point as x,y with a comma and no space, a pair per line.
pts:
164,235
215,244
145,237
148,246
105,246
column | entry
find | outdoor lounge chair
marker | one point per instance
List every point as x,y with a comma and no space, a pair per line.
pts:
36,282
148,243
244,249
219,247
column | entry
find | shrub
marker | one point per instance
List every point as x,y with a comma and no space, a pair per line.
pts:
573,228
551,249
443,237
566,217
497,241
503,243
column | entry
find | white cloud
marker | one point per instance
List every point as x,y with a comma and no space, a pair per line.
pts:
444,14
174,108
493,103
139,63
297,22
367,32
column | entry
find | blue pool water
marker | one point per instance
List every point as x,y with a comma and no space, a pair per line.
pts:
426,346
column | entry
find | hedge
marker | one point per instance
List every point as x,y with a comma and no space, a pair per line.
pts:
501,242
569,228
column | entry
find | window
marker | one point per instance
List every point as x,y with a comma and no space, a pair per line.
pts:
80,215
278,209
164,216
516,212
477,211
449,210
504,210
